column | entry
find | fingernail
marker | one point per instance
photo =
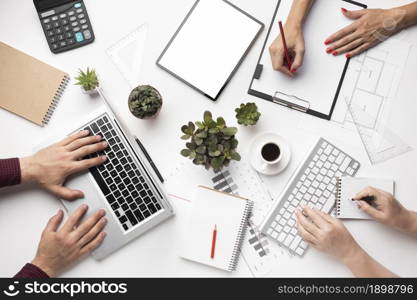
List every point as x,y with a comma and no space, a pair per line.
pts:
85,132
344,10
348,55
328,41
102,212
335,53
328,50
104,144
99,137
104,220
85,206
104,158
293,70
103,234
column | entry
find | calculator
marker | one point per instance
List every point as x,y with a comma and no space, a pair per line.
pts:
65,23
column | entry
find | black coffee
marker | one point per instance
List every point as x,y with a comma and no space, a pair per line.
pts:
271,152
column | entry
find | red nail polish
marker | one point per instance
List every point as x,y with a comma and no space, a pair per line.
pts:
348,55
335,53
293,70
326,42
344,10
329,50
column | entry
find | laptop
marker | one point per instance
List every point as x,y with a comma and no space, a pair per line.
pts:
126,186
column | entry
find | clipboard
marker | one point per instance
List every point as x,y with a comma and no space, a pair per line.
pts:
229,34
292,100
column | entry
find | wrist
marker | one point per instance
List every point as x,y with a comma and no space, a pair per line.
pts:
353,255
405,221
44,267
27,170
400,18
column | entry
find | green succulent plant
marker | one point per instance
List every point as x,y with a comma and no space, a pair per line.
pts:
247,114
145,101
88,79
211,143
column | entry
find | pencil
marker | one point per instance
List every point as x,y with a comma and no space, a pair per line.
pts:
213,242
284,42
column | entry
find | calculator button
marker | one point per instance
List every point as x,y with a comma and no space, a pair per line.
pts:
76,29
83,21
80,10
87,34
60,37
50,33
48,27
68,35
56,24
80,16
72,19
79,37
77,5
54,46
71,41
85,26
67,28
74,24
58,31
52,40
64,22
71,13
46,21
63,44
54,18
63,16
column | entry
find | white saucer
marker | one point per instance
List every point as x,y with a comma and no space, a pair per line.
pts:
255,154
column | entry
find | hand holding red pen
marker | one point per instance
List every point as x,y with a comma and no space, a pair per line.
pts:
294,40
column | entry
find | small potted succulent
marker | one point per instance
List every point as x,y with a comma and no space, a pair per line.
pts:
211,143
145,102
88,81
247,114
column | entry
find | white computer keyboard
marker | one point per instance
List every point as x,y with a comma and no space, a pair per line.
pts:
314,185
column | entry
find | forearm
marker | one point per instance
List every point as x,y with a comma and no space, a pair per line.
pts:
363,265
299,12
406,15
408,223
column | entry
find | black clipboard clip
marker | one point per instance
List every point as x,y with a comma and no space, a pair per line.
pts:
295,103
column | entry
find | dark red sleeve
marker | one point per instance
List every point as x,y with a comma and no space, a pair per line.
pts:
9,172
31,271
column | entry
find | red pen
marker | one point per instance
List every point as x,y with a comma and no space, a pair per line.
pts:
213,242
287,55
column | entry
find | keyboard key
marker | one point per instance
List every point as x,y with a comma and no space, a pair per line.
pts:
123,219
138,215
110,198
131,218
146,213
100,181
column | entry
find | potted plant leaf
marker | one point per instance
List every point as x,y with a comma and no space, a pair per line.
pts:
88,81
247,114
145,102
211,143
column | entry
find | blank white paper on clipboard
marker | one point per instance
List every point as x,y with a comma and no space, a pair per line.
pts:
210,45
317,81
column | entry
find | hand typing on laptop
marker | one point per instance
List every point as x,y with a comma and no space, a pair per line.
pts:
329,235
51,166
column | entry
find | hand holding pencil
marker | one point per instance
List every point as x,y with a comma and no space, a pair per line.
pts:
287,51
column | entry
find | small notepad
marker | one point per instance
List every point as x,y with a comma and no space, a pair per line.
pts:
348,187
211,209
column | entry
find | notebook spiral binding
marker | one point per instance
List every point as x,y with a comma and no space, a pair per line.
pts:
338,195
240,237
55,100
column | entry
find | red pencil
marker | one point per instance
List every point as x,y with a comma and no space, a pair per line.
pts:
213,242
287,55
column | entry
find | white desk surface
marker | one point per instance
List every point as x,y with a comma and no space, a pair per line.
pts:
24,211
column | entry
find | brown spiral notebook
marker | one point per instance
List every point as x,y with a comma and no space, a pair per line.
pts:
28,87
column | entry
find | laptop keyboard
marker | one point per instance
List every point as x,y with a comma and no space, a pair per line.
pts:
124,186
315,186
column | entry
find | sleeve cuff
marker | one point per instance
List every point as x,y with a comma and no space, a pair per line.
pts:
10,173
31,271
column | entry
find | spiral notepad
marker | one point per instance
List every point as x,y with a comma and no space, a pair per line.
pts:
29,87
347,187
213,209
